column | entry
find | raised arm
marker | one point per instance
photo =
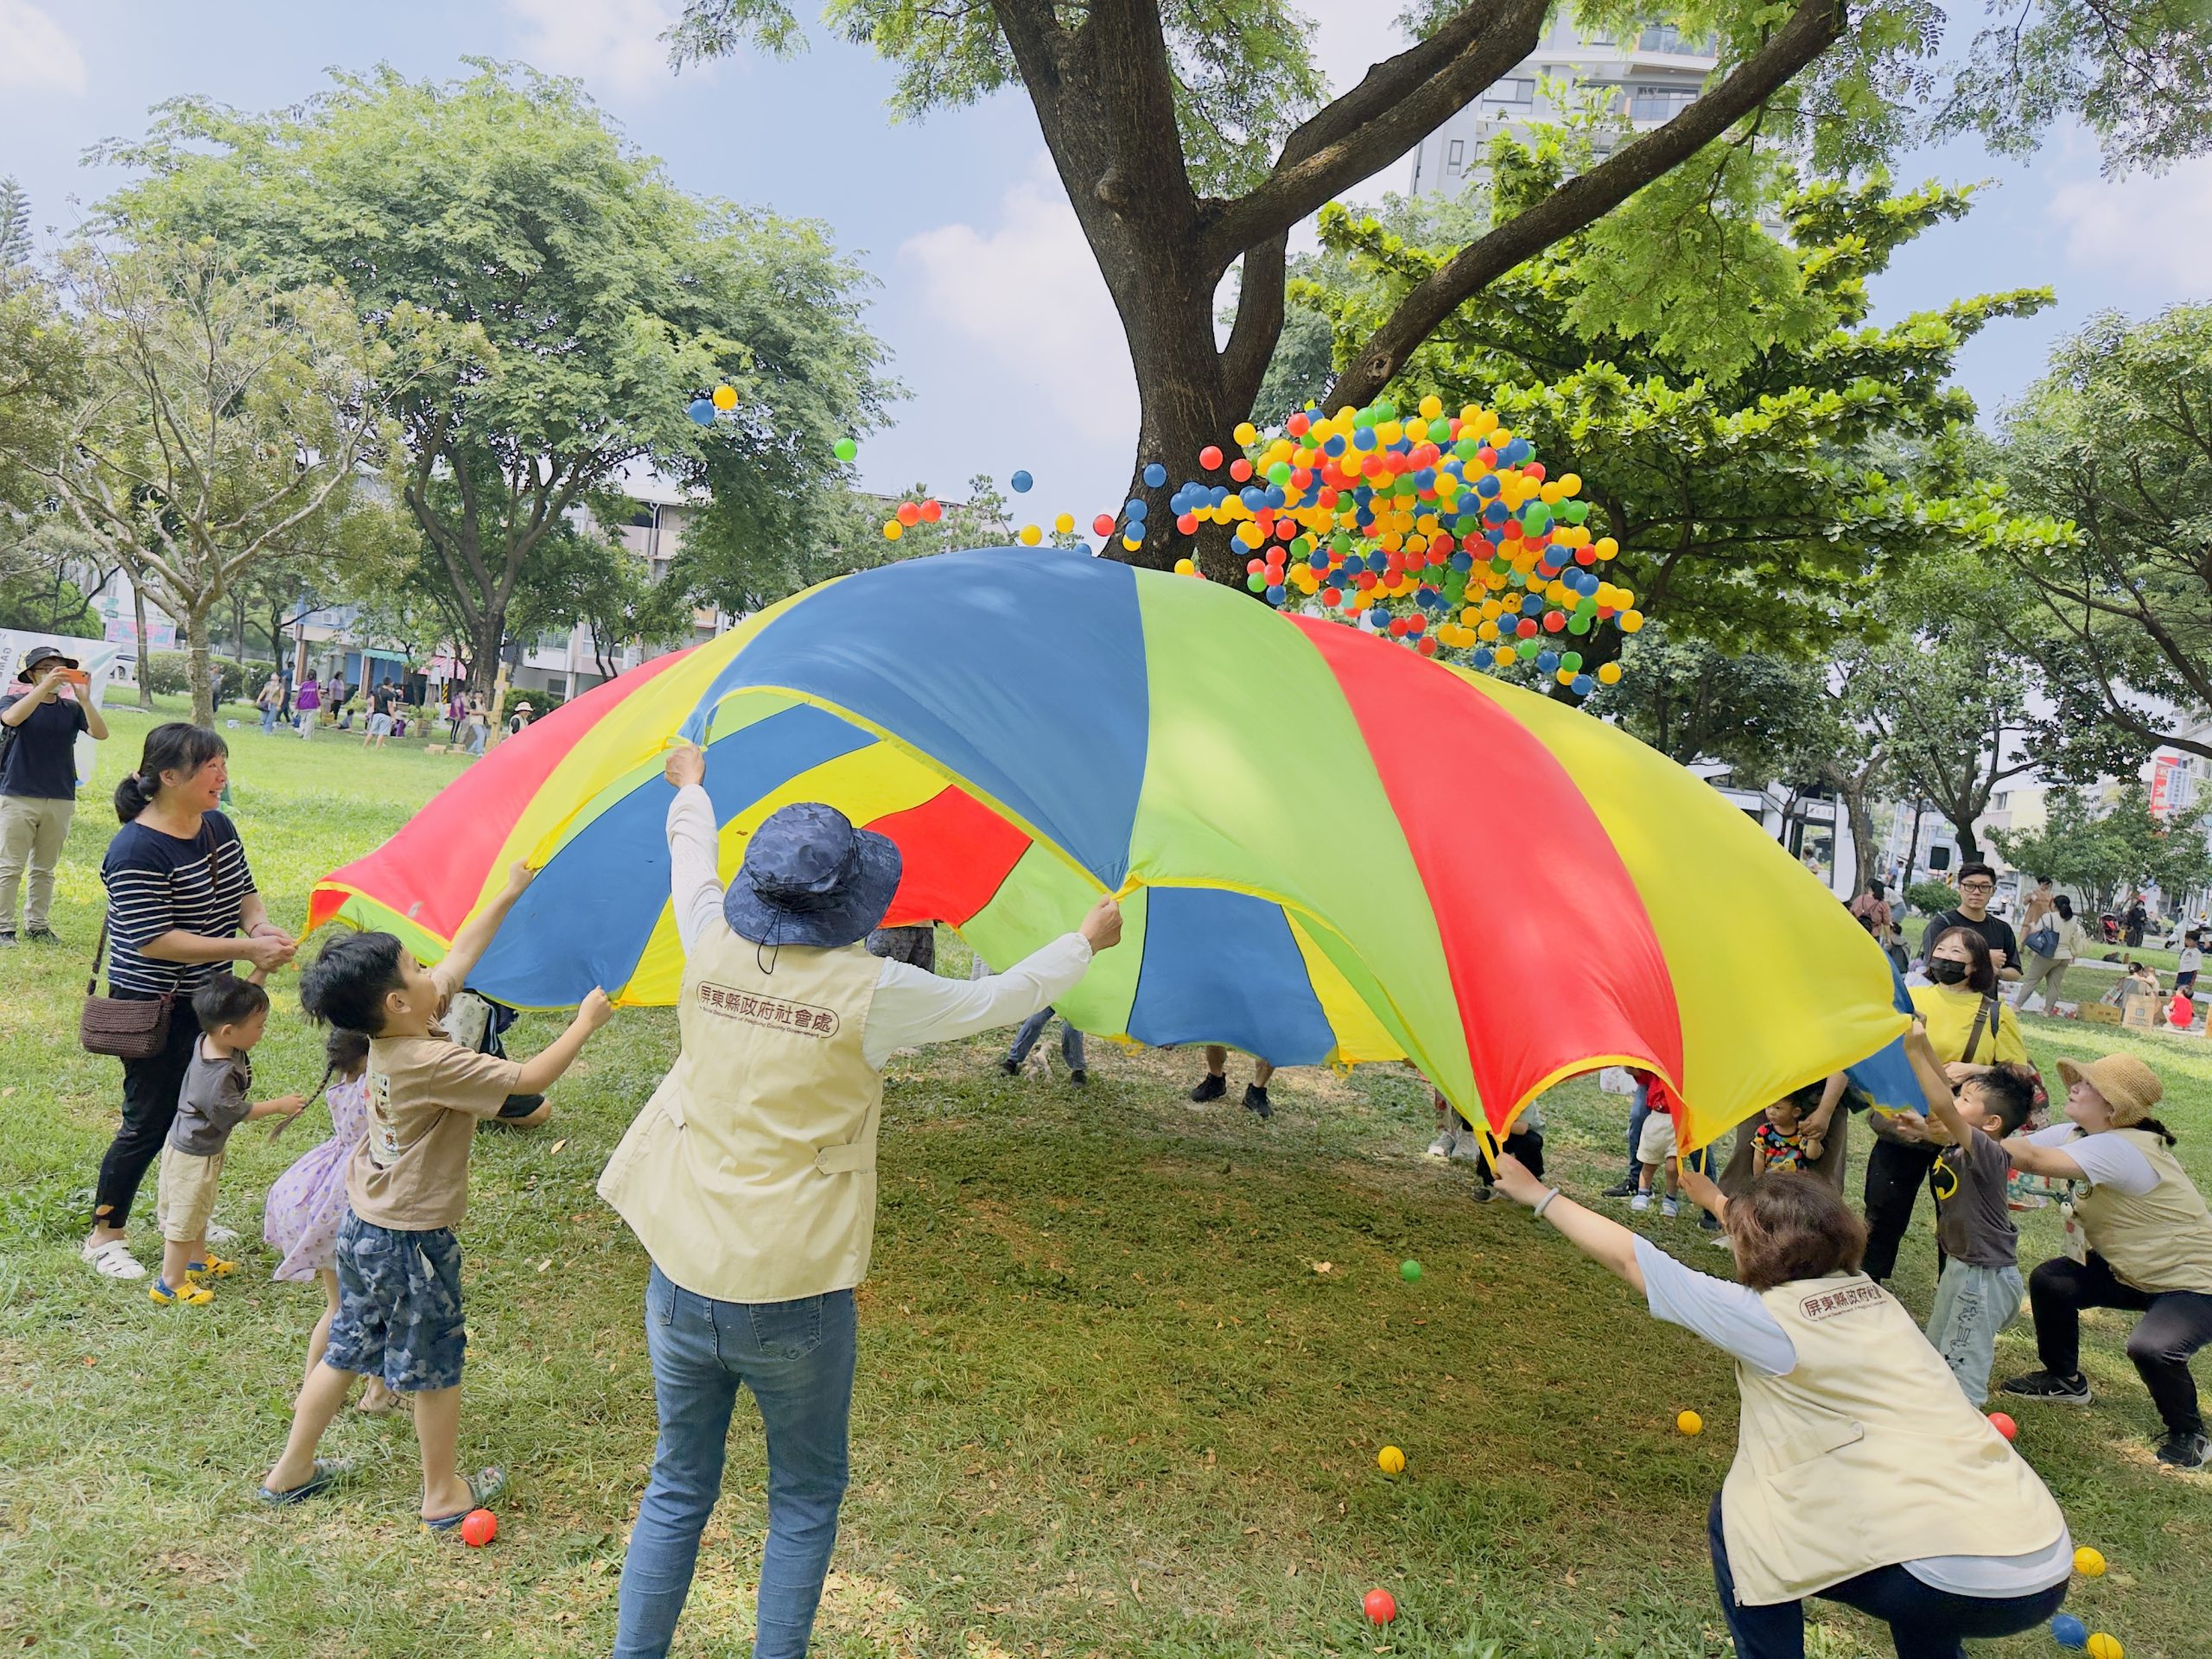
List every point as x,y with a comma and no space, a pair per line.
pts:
476,933
2030,1159
1934,1083
694,848
1603,1240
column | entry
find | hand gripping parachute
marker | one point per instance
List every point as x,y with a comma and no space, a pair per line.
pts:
1329,849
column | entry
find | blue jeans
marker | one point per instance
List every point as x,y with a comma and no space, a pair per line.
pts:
1033,1028
268,721
1972,1306
798,1359
1924,1623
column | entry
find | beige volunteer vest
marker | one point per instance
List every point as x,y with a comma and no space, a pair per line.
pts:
750,1175
1866,1455
2162,1240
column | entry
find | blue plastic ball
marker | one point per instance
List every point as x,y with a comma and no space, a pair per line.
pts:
1547,660
1484,656
1275,594
1021,481
701,409
1155,476
1135,508
2068,1631
1584,686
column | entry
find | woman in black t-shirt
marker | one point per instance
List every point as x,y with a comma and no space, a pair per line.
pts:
181,905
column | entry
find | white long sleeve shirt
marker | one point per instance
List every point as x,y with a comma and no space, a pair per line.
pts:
911,1007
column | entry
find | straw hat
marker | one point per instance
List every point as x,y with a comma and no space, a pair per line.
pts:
2128,1086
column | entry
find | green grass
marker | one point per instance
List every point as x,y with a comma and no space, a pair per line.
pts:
1107,1402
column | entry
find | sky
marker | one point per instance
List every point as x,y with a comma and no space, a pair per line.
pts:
999,328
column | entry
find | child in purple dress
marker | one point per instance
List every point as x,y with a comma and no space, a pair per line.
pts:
308,1199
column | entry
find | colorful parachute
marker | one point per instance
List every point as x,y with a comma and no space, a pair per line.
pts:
1329,849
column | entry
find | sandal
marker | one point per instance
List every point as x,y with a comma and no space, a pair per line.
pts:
213,1268
483,1486
113,1260
328,1474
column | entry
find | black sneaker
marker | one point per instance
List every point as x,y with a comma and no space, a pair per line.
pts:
1623,1188
1255,1100
1482,1194
1012,1067
1212,1086
2186,1451
43,936
1080,1077
2056,1390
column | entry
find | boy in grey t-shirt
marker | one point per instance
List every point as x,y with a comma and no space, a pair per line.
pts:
1981,1290
232,1015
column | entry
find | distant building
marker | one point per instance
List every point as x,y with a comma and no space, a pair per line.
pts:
1651,77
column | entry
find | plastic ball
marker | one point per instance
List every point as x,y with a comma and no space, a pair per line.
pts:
909,514
893,529
479,1528
1031,535
1021,483
701,410
2004,1424
1210,457
2102,1646
1240,469
844,449
725,397
1410,1270
2068,1631
1381,1606
1608,674
1103,524
932,511
1390,1460
1065,524
1246,433
2090,1563
1136,508
1187,566
1155,475
1689,1422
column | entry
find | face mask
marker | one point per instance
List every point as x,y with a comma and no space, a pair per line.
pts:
1945,972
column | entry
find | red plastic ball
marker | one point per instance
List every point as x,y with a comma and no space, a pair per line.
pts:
1526,627
933,509
1380,1606
1332,597
1555,620
1298,425
1103,524
1210,457
1240,469
909,514
1188,523
479,1528
2003,1424
1535,469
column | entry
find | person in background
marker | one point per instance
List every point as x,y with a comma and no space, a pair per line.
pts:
1525,1141
1782,1144
1872,907
1861,1476
480,728
2038,904
39,725
2137,919
1215,1083
309,704
456,712
270,703
520,718
2140,980
2188,962
1656,1149
1977,884
2140,1237
2046,971
1025,1039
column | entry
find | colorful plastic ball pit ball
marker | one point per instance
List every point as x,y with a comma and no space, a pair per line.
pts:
1689,1422
1021,481
2102,1646
724,397
701,410
1410,1271
2068,1631
844,449
1380,1606
2003,1423
479,1528
2088,1562
1390,1460
1103,524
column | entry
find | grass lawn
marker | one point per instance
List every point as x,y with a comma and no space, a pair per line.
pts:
1124,1371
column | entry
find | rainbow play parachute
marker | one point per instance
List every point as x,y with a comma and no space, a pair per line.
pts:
1329,849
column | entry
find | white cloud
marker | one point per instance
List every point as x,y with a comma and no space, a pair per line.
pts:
35,56
2151,232
1028,301
608,44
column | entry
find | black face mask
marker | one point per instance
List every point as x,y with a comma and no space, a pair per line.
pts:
1946,972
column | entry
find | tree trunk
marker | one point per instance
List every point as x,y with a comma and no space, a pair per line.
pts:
197,672
145,663
484,643
1912,851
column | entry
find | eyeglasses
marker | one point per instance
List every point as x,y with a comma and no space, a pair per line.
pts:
1977,886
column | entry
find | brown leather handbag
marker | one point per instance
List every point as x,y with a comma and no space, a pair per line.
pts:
128,1028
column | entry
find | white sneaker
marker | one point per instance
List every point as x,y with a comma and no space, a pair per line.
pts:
113,1260
1641,1201
1467,1146
1670,1207
1440,1148
218,1234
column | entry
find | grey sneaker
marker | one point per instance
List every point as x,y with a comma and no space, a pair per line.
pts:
1467,1146
1441,1147
1641,1201
1670,1207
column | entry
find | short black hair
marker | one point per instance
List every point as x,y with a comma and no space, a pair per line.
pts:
348,982
224,999
2009,1094
1977,869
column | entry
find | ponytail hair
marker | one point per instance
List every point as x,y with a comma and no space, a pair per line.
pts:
348,1054
176,746
2152,1126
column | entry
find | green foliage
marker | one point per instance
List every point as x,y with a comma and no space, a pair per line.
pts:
14,224
1931,898
559,301
2116,440
1765,466
2106,846
1755,713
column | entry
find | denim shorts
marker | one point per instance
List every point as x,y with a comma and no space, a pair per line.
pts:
399,1306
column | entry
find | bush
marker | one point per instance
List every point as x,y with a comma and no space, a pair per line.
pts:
166,674
1930,898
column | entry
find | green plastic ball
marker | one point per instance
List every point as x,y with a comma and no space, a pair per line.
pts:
1410,1271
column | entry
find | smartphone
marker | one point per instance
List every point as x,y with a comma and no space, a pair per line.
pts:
75,677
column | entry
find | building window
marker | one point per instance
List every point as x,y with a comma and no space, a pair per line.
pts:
1659,103
1520,89
1997,801
1455,153
1668,37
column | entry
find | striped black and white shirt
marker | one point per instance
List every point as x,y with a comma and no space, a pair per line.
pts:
159,884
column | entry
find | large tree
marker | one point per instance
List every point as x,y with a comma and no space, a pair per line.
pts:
223,421
1192,136
2108,846
562,302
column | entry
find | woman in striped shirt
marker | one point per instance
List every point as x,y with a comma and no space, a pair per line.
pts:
181,905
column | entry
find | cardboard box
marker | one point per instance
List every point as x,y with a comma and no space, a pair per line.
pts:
2099,1014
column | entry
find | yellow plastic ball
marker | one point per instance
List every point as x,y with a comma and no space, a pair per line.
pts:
1630,621
1606,547
1246,433
1390,1460
1184,567
725,397
1065,524
1430,407
1689,1422
2090,1563
893,529
1570,484
2102,1646
1609,673
1506,656
1031,535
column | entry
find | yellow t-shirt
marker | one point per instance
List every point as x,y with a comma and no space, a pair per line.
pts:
1951,1014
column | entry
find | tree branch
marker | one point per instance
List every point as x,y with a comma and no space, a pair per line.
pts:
1811,29
1259,321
